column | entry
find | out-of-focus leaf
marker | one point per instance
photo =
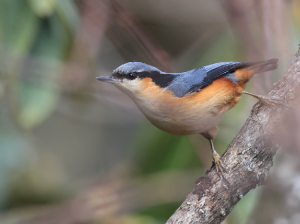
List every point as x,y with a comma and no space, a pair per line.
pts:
158,151
137,219
48,39
18,26
43,8
15,152
38,93
68,14
21,32
161,212
53,42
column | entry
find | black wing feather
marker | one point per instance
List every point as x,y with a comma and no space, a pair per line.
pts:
215,74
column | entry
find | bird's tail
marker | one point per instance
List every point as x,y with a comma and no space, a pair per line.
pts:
264,66
245,71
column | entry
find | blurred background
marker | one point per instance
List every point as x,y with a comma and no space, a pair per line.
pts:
74,150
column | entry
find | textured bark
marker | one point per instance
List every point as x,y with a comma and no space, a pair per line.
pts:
247,159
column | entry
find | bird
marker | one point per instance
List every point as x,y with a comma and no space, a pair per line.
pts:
191,102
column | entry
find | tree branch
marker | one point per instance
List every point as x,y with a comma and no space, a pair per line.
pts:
247,159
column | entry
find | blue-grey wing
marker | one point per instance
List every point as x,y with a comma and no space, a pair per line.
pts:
184,81
197,79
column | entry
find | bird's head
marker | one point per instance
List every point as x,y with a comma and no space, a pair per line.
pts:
128,77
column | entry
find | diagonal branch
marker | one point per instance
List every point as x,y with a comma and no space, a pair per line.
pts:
247,159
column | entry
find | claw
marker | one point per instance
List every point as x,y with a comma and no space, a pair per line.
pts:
220,169
218,163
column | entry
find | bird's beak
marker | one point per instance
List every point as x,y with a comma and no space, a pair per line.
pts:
107,79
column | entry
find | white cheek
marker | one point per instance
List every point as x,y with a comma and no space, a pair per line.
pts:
131,85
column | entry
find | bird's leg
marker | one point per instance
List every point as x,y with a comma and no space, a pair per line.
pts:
217,159
270,101
209,135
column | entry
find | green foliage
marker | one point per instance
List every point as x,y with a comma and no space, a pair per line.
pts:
18,27
159,151
43,8
162,212
15,152
35,39
27,40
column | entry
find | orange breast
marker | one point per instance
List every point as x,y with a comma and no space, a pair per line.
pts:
191,114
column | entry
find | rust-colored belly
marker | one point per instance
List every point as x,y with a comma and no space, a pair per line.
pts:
195,113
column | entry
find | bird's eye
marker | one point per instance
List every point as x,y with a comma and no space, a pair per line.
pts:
132,75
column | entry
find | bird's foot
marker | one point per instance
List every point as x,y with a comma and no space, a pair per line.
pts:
220,169
218,163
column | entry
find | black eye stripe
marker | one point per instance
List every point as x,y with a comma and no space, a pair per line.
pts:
129,76
162,80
